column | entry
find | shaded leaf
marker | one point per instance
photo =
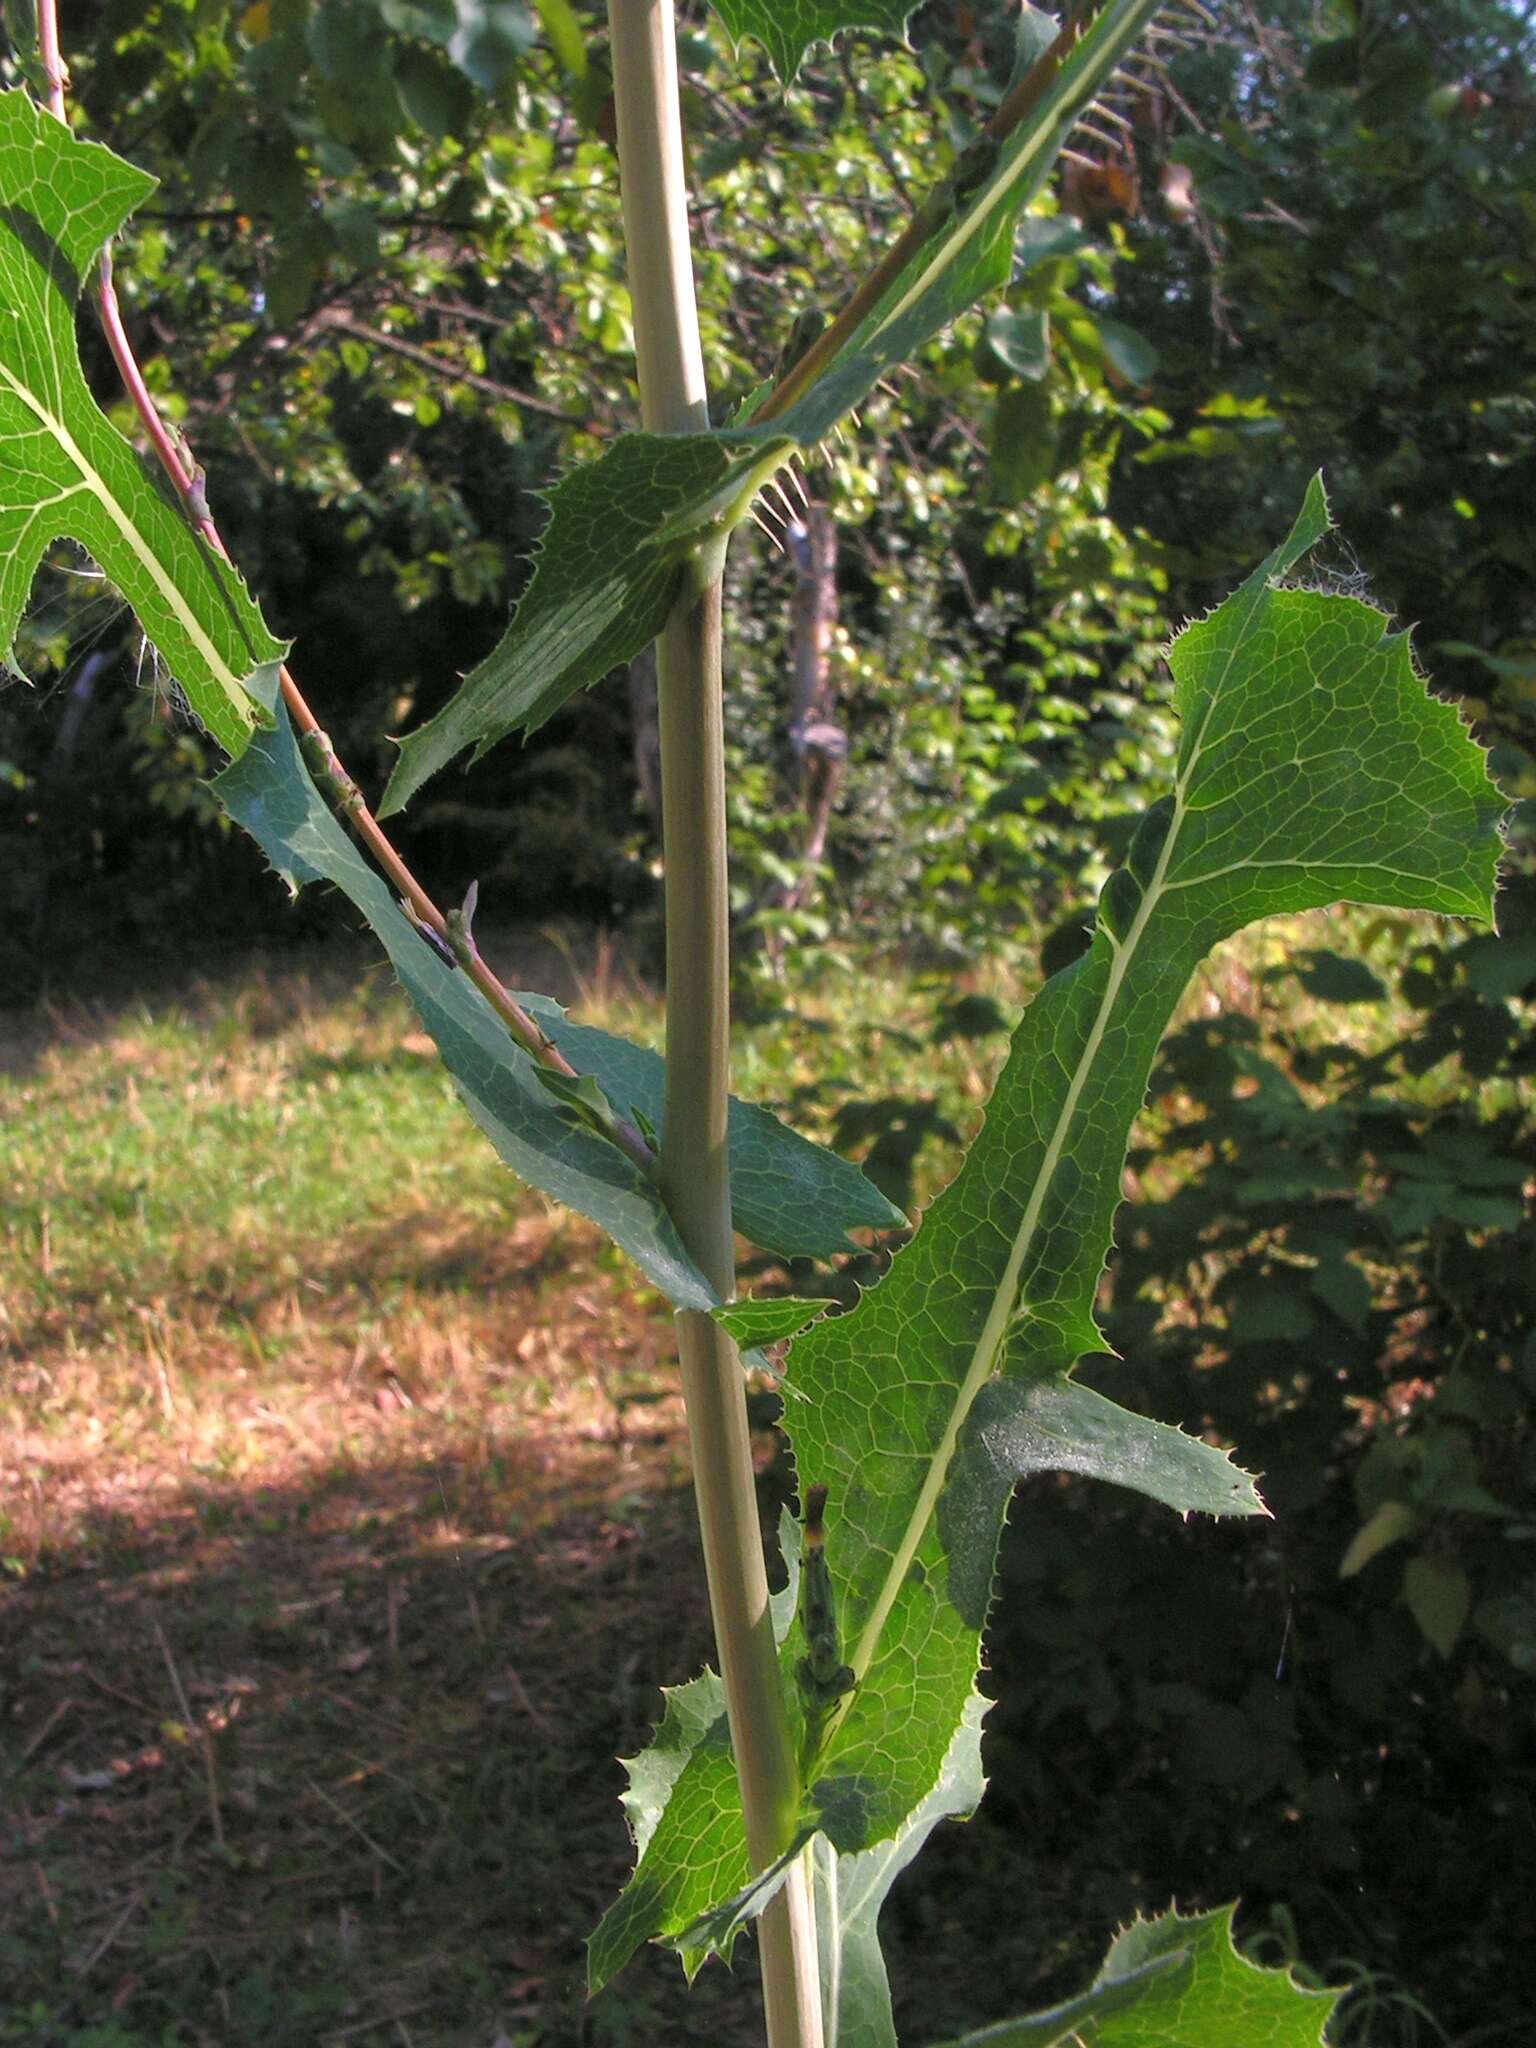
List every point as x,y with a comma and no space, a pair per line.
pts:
1391,1522
1438,1597
1333,978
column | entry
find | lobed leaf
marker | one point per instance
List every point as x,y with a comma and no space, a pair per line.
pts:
1177,1979
65,471
1313,767
791,1196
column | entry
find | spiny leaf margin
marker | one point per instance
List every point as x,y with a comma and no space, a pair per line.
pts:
951,1378
65,470
1180,1979
613,558
628,534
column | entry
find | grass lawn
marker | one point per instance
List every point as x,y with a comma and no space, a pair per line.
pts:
345,1535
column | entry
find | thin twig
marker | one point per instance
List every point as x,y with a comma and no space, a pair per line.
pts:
453,373
203,1732
85,1968
112,1692
362,1834
46,1730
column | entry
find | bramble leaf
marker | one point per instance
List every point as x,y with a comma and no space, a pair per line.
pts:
65,470
1313,768
1176,1979
791,1196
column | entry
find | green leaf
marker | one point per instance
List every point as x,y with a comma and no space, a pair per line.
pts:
1313,767
559,22
787,28
1334,979
1021,341
1438,1597
65,471
435,96
1025,442
489,39
751,1323
611,562
850,1891
1391,1522
790,1196
972,248
626,534
1128,353
1175,1982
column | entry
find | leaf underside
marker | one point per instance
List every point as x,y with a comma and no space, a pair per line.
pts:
1313,768
788,28
65,471
616,550
791,1196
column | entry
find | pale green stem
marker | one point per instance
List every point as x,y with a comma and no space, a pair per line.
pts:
695,1170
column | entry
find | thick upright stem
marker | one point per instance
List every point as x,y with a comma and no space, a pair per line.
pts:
695,1170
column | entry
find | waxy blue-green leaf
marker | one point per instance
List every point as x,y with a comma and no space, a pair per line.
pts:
1174,1982
788,28
790,1196
65,471
613,559
1313,767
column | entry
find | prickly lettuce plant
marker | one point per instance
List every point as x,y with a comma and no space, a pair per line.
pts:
846,1722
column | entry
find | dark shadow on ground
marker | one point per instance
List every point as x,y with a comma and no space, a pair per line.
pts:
395,1816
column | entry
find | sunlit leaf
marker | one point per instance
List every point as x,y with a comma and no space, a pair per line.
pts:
1175,1982
788,28
65,471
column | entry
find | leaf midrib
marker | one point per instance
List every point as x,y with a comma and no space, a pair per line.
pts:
96,486
1004,1301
